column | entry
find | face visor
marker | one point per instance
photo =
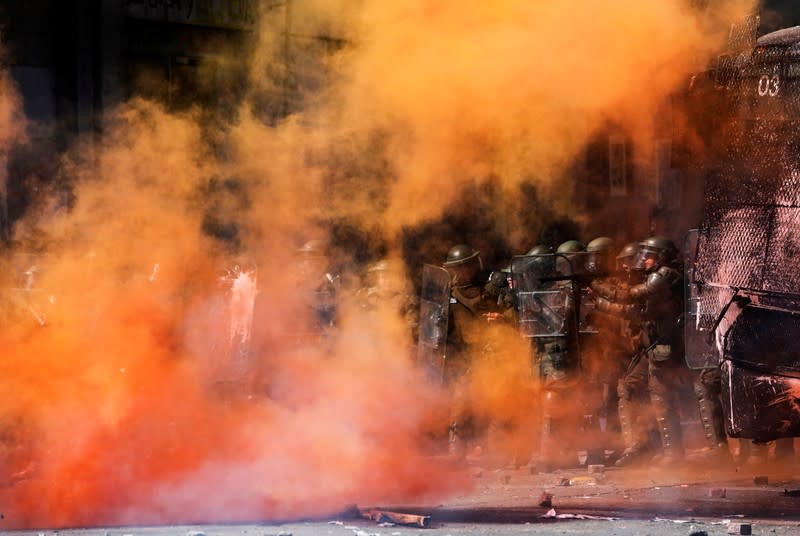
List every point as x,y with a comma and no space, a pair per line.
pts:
466,273
646,259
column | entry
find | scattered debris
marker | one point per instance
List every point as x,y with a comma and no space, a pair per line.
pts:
552,514
786,492
761,480
546,499
583,481
382,516
386,524
678,521
726,521
719,493
740,528
341,524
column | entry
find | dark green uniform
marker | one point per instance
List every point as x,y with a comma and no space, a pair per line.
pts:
659,301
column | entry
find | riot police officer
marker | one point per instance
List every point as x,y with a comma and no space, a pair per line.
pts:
659,301
604,351
558,359
631,387
469,307
632,390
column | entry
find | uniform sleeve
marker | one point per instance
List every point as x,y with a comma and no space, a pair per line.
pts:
624,310
604,289
656,283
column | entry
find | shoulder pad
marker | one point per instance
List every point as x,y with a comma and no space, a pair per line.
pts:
670,274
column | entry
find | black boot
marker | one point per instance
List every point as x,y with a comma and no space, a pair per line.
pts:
669,426
711,416
714,432
635,450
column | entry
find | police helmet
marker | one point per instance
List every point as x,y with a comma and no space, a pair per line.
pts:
571,246
540,249
600,251
602,243
460,254
628,251
660,249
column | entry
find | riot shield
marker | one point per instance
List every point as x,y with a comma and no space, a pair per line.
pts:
539,283
699,311
243,290
228,328
434,306
586,308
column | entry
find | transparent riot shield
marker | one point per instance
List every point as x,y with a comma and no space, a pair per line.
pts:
539,283
228,328
241,306
434,306
700,311
580,270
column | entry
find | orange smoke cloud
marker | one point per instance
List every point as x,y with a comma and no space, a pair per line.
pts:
131,403
511,89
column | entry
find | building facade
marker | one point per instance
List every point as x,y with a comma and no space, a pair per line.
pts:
73,60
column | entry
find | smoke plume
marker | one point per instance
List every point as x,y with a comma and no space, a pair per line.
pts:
128,395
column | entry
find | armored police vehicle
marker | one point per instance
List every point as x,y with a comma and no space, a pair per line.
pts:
743,269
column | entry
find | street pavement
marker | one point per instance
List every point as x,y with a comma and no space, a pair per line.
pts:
702,496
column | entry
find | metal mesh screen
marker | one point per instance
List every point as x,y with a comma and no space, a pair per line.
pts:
750,236
781,272
732,251
749,239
